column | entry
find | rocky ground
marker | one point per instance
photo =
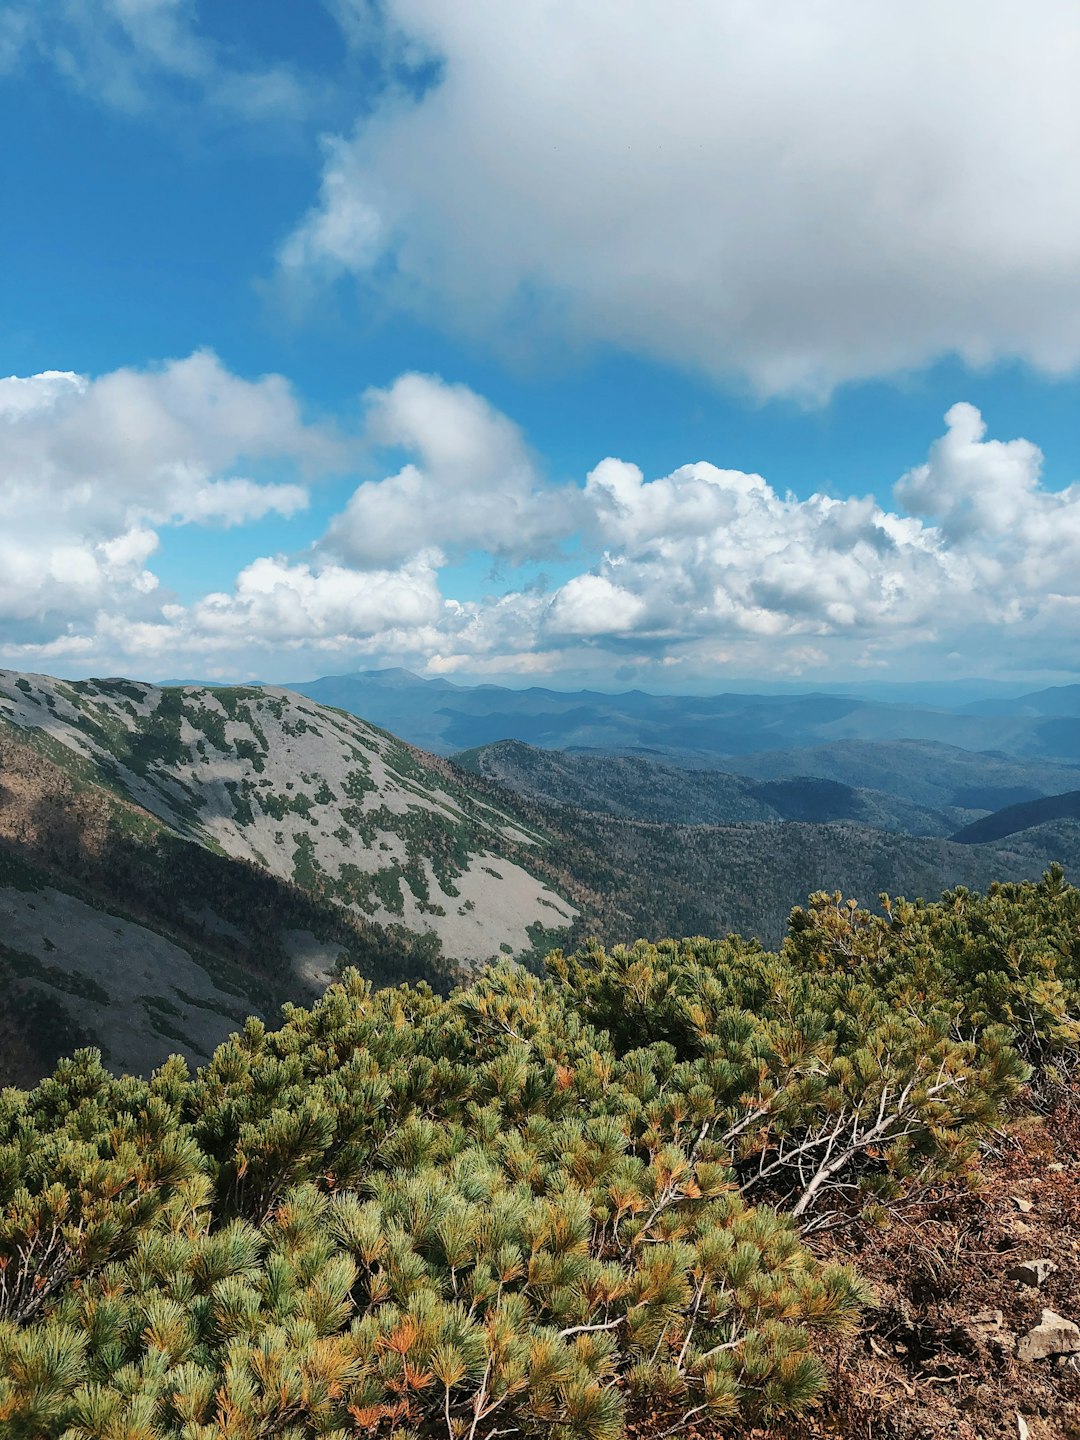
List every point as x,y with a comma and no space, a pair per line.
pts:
975,1335
976,1331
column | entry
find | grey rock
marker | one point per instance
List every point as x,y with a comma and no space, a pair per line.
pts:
983,1328
1054,1335
1032,1272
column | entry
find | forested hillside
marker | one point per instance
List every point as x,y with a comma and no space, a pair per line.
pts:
172,860
633,1194
649,880
633,788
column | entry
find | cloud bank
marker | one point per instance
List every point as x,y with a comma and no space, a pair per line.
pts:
707,570
785,195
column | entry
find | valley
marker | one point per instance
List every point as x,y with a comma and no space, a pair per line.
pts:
174,859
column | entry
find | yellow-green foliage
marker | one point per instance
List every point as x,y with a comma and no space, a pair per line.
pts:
524,1210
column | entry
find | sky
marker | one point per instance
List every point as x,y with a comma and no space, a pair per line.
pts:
627,344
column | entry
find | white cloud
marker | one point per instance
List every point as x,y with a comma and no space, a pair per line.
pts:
987,498
281,602
703,571
138,55
473,484
593,605
91,468
788,194
978,547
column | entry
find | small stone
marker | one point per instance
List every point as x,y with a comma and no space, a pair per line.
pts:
1022,1430
1024,1206
1054,1335
1031,1272
983,1328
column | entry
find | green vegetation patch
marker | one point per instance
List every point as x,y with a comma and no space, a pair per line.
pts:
551,1207
18,965
241,803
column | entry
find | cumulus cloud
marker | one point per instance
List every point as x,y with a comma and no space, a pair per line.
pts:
789,195
472,483
593,605
705,550
977,546
701,571
282,602
986,496
90,469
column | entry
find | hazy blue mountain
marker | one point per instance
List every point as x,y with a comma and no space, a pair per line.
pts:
933,775
1059,700
697,731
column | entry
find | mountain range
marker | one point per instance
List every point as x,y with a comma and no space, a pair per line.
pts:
697,731
173,859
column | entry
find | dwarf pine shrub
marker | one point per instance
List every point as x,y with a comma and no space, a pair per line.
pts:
533,1208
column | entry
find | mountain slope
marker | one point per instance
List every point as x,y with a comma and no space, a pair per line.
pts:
313,796
173,859
116,930
1016,818
633,788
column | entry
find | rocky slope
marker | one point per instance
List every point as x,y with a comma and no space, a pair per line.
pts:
115,930
314,796
173,860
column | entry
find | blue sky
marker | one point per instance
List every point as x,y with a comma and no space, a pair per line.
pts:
516,343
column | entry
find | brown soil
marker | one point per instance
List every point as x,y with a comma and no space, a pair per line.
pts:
921,1369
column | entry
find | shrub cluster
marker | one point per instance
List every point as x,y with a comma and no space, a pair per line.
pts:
529,1209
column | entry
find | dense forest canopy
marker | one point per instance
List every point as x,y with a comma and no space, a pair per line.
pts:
533,1207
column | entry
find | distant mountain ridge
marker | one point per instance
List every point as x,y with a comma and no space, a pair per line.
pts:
1014,819
695,731
1057,700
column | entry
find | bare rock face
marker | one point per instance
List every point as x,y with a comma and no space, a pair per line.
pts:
1054,1335
1031,1272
